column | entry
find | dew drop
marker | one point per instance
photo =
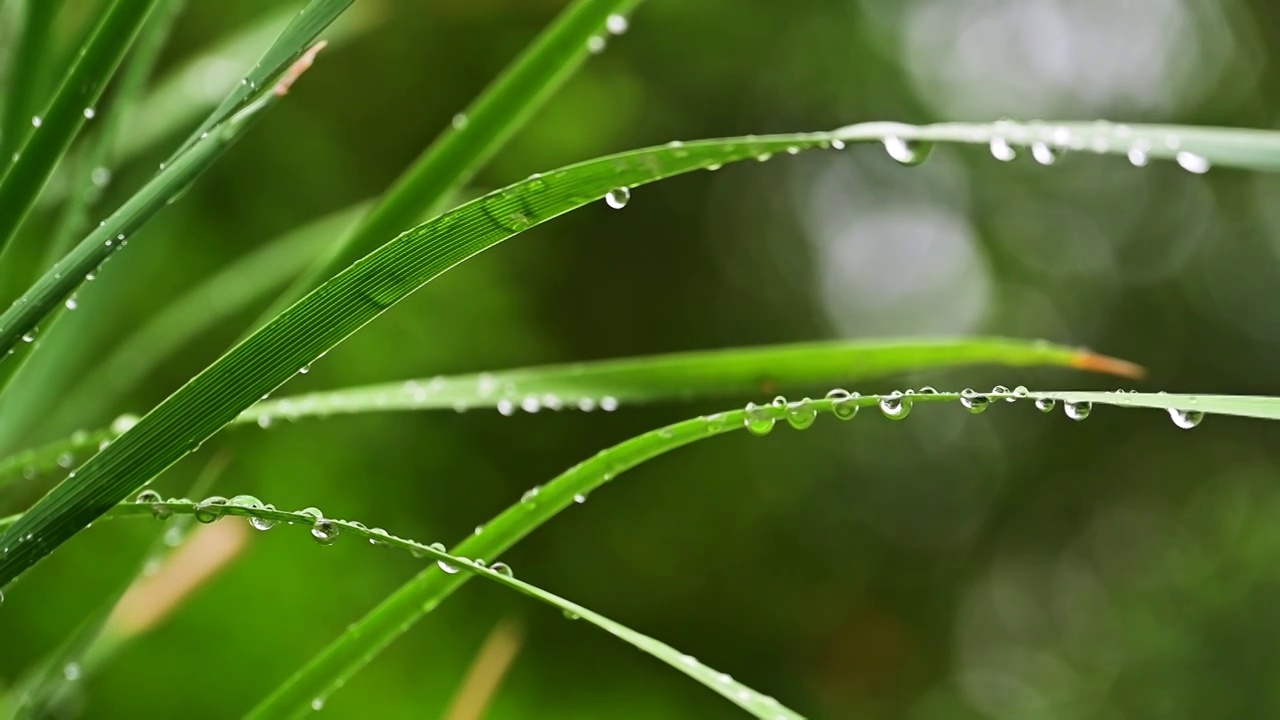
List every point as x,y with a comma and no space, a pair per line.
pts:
1045,405
324,531
1043,154
264,421
928,390
71,672
304,369
317,704
28,337
502,569
1021,391
895,405
37,121
459,121
506,407
579,498
71,303
608,403
447,567
758,420
211,509
801,415
973,402
846,407
1185,419
261,523
907,152
616,24
148,497
618,197
123,424
89,113
1002,390
1192,162
100,176
1001,150
595,45
1138,156
1077,410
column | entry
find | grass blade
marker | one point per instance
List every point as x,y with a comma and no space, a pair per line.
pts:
605,384
757,704
71,106
344,304
26,72
453,159
112,234
331,668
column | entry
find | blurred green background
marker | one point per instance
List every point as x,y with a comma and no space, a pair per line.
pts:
1008,565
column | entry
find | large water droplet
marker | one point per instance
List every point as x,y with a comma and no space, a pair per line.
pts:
1043,154
1001,150
1045,405
447,567
801,415
1185,419
618,197
211,509
616,24
973,402
324,531
502,569
261,523
1138,156
907,152
895,405
148,497
758,420
36,121
1077,410
1002,390
1192,162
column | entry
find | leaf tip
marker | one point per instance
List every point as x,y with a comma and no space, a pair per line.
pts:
298,67
1093,362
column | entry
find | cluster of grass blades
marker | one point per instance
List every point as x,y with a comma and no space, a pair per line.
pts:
361,263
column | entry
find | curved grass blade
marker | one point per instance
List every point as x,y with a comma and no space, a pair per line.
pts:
71,106
608,383
327,531
453,159
32,50
67,274
272,355
331,668
221,297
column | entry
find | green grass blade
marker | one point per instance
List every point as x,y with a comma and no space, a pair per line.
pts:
331,668
605,384
36,693
757,704
71,106
112,234
92,172
341,306
300,34
453,159
222,296
32,51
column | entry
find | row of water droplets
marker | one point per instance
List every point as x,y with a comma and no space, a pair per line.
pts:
1046,142
760,419
324,531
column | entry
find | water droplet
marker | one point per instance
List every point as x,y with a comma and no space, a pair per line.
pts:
586,404
530,494
506,407
123,424
530,404
65,460
261,523
907,152
973,402
608,403
618,197
579,498
571,615
595,44
264,421
764,157
324,531
616,24
304,369
1021,391
36,121
1077,410
1138,156
71,303
801,415
928,390
1045,405
758,420
502,569
89,113
1043,154
846,407
211,509
1185,419
479,529
447,567
148,497
317,704
1001,150
459,121
28,337
1192,162
895,405
71,672
100,176
1002,390
837,144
